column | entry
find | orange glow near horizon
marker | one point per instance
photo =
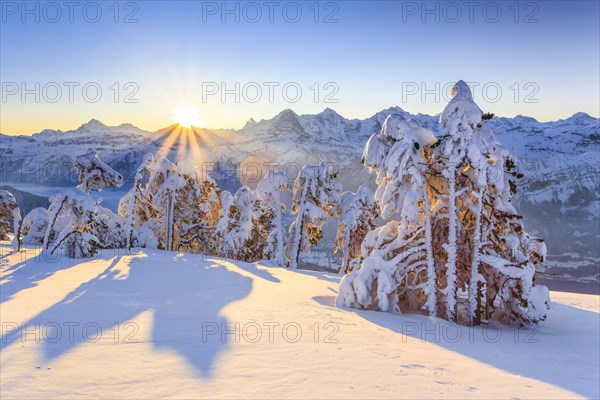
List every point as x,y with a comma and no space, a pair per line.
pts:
185,138
187,143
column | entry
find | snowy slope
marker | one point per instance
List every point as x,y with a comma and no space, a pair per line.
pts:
160,317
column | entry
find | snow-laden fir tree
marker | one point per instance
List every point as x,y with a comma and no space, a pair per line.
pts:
34,226
271,208
241,221
75,222
9,211
216,241
135,205
197,210
71,225
356,218
459,120
163,180
145,218
456,231
316,196
494,258
399,259
171,207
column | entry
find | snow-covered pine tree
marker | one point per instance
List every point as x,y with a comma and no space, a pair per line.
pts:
136,206
172,207
270,210
316,196
197,210
167,197
150,203
458,121
34,226
215,243
503,256
397,271
356,218
478,240
75,222
110,229
145,226
9,210
241,219
71,225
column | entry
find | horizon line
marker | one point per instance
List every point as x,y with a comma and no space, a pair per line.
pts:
112,125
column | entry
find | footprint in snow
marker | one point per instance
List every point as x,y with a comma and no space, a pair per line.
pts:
413,366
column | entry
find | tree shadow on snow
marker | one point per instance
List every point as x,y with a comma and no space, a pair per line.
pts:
184,294
28,273
562,351
254,269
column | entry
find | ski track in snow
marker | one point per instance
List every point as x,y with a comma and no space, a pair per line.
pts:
167,304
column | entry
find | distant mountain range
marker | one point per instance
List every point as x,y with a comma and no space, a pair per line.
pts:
559,195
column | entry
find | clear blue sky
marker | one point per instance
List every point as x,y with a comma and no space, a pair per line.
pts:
543,56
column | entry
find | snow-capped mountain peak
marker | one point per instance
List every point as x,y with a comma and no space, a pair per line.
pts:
250,123
93,125
286,114
383,114
581,118
329,113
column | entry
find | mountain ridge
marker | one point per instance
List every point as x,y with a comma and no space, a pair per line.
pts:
580,115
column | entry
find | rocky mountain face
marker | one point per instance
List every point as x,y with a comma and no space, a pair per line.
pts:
559,196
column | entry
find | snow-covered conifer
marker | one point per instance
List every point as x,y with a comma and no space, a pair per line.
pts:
71,225
135,206
239,232
316,196
270,210
215,243
197,210
456,229
458,121
356,216
400,257
34,226
74,221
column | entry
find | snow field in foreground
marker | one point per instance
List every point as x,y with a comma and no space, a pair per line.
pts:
166,324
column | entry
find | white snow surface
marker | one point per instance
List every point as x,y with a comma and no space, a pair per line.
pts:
156,312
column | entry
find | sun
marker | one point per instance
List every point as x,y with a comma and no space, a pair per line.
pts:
186,115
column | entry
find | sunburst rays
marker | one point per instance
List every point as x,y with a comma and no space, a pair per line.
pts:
182,143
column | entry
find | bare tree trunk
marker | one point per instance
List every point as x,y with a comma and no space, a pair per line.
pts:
451,247
17,228
51,223
279,257
474,283
431,276
346,253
